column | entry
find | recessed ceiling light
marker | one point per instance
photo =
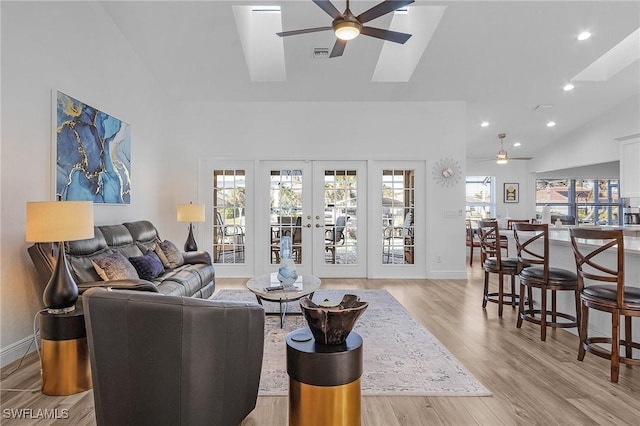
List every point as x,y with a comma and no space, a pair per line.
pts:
517,144
484,124
568,87
551,124
584,35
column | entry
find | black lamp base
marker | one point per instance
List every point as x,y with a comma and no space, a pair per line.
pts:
61,293
190,245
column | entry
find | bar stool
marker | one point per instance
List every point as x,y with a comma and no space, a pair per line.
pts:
510,222
472,241
491,247
615,298
532,243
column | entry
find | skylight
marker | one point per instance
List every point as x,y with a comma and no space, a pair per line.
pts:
263,50
615,60
397,62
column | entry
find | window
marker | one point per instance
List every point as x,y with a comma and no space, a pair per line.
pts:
591,201
228,207
398,203
480,198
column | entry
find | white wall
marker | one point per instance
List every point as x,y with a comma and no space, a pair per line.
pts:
593,143
425,131
512,172
72,47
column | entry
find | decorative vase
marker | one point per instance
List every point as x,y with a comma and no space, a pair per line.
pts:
331,325
287,273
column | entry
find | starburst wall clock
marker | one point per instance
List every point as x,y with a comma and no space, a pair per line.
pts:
447,172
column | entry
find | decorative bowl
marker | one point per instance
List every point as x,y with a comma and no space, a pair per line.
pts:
330,325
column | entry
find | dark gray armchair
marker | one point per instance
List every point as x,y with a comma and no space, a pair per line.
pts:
171,360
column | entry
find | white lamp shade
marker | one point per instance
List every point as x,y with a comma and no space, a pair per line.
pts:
55,221
190,212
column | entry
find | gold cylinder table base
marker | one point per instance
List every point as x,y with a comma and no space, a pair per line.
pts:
324,380
65,354
65,367
311,405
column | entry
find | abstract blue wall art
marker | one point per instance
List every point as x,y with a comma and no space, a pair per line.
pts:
93,154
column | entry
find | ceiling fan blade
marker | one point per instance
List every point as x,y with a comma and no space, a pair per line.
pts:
519,158
382,9
388,35
304,31
338,48
328,7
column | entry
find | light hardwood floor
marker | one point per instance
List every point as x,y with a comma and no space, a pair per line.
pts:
532,382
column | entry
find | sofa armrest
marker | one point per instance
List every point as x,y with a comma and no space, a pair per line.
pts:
195,257
131,284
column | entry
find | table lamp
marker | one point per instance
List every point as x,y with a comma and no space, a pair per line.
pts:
190,213
57,222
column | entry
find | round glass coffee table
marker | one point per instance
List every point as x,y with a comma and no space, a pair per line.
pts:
305,285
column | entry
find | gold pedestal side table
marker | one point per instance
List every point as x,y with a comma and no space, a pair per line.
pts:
65,355
324,380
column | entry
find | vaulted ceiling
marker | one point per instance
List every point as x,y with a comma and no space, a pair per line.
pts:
503,58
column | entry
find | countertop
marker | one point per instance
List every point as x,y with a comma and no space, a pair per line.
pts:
561,234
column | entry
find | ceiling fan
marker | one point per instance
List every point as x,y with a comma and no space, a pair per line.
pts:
501,156
347,26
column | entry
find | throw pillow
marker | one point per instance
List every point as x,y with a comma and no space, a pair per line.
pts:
148,266
173,255
158,250
114,266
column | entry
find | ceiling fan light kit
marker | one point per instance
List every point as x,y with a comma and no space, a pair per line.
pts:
347,30
501,156
346,26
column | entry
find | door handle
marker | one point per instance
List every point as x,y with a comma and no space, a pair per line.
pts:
308,225
319,226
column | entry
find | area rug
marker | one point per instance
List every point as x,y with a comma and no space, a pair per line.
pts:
401,357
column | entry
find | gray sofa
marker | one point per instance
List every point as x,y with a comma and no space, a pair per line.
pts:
195,278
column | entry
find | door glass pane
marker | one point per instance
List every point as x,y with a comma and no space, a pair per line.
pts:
229,213
285,198
340,216
398,198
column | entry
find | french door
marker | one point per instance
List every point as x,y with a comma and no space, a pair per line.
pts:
321,206
345,218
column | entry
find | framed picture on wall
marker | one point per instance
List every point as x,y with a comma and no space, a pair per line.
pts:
92,153
511,192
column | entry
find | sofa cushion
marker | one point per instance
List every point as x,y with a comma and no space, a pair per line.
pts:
148,266
88,247
172,254
114,266
81,252
181,281
144,234
119,238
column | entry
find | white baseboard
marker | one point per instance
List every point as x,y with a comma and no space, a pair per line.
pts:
17,350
